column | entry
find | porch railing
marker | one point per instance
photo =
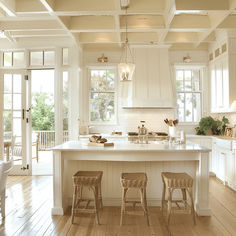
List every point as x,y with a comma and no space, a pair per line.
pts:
47,138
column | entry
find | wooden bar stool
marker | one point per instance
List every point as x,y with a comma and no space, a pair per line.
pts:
92,180
134,180
173,181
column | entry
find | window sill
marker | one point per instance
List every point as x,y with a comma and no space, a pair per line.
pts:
188,123
102,124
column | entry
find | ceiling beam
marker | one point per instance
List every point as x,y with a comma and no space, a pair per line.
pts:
215,20
9,37
29,25
169,15
9,6
48,5
108,13
117,21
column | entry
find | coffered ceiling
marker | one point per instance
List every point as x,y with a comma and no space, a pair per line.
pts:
101,23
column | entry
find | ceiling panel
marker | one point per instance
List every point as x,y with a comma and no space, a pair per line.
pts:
102,22
98,37
142,21
190,21
144,5
92,22
140,37
84,5
228,23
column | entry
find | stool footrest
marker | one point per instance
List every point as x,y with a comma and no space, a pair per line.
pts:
83,210
129,201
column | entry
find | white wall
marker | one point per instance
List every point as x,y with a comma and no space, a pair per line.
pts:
128,119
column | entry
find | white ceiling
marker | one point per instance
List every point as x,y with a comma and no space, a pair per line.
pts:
101,23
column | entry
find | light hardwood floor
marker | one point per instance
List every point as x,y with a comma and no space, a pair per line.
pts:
29,202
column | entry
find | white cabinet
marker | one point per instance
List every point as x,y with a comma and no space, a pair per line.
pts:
223,161
214,159
230,168
152,84
221,164
219,73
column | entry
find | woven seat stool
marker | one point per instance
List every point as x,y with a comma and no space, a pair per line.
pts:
138,181
92,180
172,181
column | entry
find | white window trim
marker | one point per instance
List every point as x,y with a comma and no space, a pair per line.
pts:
89,68
41,66
190,67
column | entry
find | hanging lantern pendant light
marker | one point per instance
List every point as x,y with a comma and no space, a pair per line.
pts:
126,68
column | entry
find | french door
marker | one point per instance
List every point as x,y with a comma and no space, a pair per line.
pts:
16,118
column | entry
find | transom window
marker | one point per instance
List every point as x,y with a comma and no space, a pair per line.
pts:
189,102
102,95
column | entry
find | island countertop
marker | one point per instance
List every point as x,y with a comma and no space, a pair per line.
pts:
154,146
152,158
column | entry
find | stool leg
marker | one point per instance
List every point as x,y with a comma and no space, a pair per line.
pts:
163,197
192,204
124,191
184,197
169,205
96,205
100,195
73,204
144,203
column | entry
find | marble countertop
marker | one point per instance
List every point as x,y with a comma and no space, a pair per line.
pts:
154,146
85,136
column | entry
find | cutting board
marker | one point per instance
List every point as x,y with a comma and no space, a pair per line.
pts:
101,144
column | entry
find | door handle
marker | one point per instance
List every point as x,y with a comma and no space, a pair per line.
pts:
23,113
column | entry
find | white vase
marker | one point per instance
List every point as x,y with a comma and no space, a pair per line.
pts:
172,131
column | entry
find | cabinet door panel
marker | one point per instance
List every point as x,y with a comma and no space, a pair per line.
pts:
230,167
140,78
153,74
166,86
221,165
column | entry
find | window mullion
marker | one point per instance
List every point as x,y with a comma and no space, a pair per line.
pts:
192,92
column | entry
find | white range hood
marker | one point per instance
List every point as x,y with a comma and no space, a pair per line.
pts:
152,85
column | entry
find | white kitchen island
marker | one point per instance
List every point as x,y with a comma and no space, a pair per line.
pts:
129,157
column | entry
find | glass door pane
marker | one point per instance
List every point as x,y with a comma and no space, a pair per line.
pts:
14,120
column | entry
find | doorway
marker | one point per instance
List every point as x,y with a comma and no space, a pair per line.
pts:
42,121
14,119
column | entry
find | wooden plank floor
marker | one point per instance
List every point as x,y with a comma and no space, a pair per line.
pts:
29,202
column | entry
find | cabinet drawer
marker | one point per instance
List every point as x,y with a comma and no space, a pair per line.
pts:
226,144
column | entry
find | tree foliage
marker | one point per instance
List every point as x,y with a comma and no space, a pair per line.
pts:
42,111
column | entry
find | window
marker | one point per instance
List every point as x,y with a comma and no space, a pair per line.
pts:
65,56
188,87
42,58
15,59
102,95
65,100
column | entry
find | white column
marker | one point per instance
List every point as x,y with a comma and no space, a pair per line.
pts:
1,117
202,186
74,91
58,96
58,167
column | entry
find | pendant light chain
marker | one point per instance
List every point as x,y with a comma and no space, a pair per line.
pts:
125,68
126,37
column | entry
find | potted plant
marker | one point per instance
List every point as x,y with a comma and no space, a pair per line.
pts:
210,126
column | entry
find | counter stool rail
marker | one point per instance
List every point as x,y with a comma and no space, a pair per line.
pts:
134,180
172,181
92,180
